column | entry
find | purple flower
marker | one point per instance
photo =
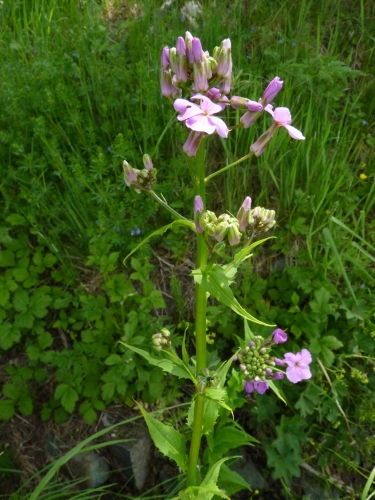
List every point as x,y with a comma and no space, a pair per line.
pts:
281,118
251,386
278,375
279,337
279,362
199,117
298,366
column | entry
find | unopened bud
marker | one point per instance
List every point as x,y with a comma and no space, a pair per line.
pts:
147,162
197,52
189,48
234,235
130,174
224,60
272,90
165,58
243,214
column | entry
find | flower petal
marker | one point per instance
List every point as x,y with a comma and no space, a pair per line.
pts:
282,116
200,123
220,126
294,133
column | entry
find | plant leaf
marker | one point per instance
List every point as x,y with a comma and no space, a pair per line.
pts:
215,282
169,441
167,365
160,231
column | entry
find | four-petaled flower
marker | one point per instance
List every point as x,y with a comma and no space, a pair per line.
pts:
199,117
298,366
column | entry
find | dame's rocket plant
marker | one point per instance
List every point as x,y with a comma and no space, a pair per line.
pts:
199,86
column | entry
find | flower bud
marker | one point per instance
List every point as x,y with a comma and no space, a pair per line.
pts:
225,85
278,375
147,162
130,174
243,212
200,76
165,58
279,337
272,90
189,50
166,86
224,60
238,102
220,247
234,235
197,52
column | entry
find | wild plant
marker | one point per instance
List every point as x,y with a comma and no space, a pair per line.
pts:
199,88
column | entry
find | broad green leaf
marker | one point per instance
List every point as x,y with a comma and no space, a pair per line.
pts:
6,285
16,220
215,282
169,441
160,231
9,334
201,493
210,415
231,481
213,473
68,396
113,359
167,365
6,409
21,300
25,404
7,258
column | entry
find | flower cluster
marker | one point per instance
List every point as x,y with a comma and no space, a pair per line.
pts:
208,80
258,366
140,180
226,226
162,341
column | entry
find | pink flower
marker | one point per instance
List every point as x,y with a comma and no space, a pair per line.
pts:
199,118
279,337
298,366
283,118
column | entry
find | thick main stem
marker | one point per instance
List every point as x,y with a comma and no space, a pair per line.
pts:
200,328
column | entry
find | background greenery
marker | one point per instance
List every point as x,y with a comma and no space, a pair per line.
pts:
79,93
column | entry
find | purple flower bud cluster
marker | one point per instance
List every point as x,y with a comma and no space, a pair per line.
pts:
258,366
188,64
140,180
225,226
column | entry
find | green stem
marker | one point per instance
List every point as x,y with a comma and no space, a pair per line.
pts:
209,177
200,328
165,205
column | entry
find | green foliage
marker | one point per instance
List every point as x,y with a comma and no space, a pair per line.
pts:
92,369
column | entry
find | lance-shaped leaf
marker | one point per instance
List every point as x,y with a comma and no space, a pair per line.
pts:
208,488
277,391
215,282
174,365
169,441
231,268
222,371
160,231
